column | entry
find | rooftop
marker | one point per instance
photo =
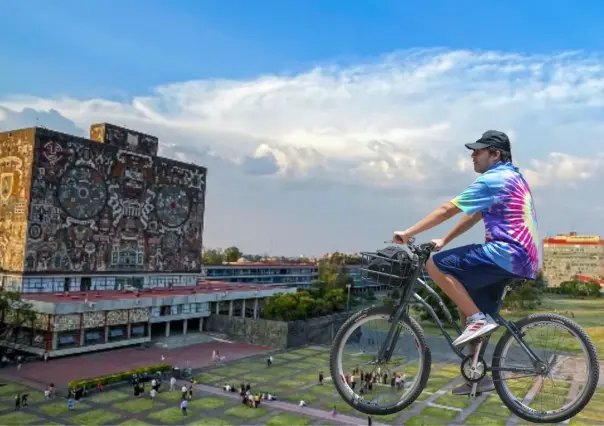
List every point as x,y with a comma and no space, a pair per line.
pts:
202,287
265,265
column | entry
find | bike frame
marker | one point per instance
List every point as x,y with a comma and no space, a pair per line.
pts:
410,297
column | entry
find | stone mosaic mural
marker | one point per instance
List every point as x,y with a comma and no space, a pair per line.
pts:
117,317
96,207
16,156
123,138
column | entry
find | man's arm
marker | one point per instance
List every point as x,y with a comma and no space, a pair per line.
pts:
465,223
443,212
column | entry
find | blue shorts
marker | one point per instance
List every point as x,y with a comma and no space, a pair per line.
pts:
482,278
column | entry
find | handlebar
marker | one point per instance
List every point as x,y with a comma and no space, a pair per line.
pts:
425,248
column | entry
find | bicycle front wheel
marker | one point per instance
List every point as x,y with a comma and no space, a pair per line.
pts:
573,369
372,387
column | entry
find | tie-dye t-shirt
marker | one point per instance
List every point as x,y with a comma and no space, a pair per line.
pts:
504,198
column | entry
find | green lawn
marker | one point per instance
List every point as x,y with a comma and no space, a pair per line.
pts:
291,381
19,418
95,417
170,415
286,419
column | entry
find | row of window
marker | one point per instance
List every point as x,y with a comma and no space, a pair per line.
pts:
220,272
183,309
96,336
63,284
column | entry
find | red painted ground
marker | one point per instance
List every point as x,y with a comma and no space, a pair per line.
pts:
62,370
202,287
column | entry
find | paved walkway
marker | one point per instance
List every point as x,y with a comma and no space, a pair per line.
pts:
62,370
292,408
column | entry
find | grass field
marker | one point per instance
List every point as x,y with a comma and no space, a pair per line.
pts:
589,314
292,377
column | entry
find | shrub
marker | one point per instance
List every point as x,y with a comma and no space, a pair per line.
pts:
118,377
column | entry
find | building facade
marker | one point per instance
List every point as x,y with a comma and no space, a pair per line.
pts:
103,237
79,214
73,323
283,274
568,255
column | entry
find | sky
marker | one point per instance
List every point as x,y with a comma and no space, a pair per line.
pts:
326,125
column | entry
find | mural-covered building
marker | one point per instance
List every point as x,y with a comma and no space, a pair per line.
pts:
104,238
105,213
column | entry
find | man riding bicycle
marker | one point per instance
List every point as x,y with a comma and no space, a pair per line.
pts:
472,275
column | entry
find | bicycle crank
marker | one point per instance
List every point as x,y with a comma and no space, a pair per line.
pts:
473,368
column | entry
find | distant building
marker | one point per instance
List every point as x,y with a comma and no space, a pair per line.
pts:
299,275
568,255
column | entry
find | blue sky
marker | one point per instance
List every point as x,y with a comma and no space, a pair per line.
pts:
119,48
326,124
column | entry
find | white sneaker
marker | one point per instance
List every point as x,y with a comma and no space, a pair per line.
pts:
476,329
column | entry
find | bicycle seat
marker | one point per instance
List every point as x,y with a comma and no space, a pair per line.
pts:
515,283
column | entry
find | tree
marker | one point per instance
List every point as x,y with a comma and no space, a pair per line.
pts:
232,254
212,257
343,278
576,288
526,297
15,315
427,296
303,305
540,282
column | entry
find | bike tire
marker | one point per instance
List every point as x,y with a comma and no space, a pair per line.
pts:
358,403
590,385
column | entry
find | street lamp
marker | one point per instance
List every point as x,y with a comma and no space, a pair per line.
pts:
348,286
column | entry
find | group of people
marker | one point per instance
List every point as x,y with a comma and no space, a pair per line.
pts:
249,399
368,380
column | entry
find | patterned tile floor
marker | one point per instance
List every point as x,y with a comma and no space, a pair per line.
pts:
292,377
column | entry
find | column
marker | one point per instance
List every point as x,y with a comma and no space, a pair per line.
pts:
217,307
167,328
129,331
201,325
256,308
82,331
55,340
230,308
106,334
185,323
243,308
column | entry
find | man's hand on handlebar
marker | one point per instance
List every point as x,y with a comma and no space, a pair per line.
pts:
439,243
401,237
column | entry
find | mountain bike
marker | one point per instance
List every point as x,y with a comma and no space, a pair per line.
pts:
402,267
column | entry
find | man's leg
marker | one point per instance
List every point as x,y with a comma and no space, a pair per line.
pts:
450,267
454,289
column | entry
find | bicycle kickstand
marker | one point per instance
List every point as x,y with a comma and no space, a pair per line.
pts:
474,371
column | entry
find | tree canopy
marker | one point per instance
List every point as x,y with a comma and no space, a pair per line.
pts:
15,313
328,294
575,288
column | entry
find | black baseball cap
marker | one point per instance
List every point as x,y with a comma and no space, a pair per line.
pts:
492,139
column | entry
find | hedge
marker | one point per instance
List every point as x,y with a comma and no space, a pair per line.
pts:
118,377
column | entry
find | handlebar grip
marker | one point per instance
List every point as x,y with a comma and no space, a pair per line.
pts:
397,239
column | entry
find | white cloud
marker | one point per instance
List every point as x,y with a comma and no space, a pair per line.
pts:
561,167
397,124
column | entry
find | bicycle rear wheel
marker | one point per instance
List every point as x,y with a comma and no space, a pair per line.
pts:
574,370
362,340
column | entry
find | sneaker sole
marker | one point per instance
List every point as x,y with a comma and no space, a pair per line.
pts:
486,330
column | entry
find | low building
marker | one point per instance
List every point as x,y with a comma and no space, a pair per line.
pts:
568,255
78,322
298,275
